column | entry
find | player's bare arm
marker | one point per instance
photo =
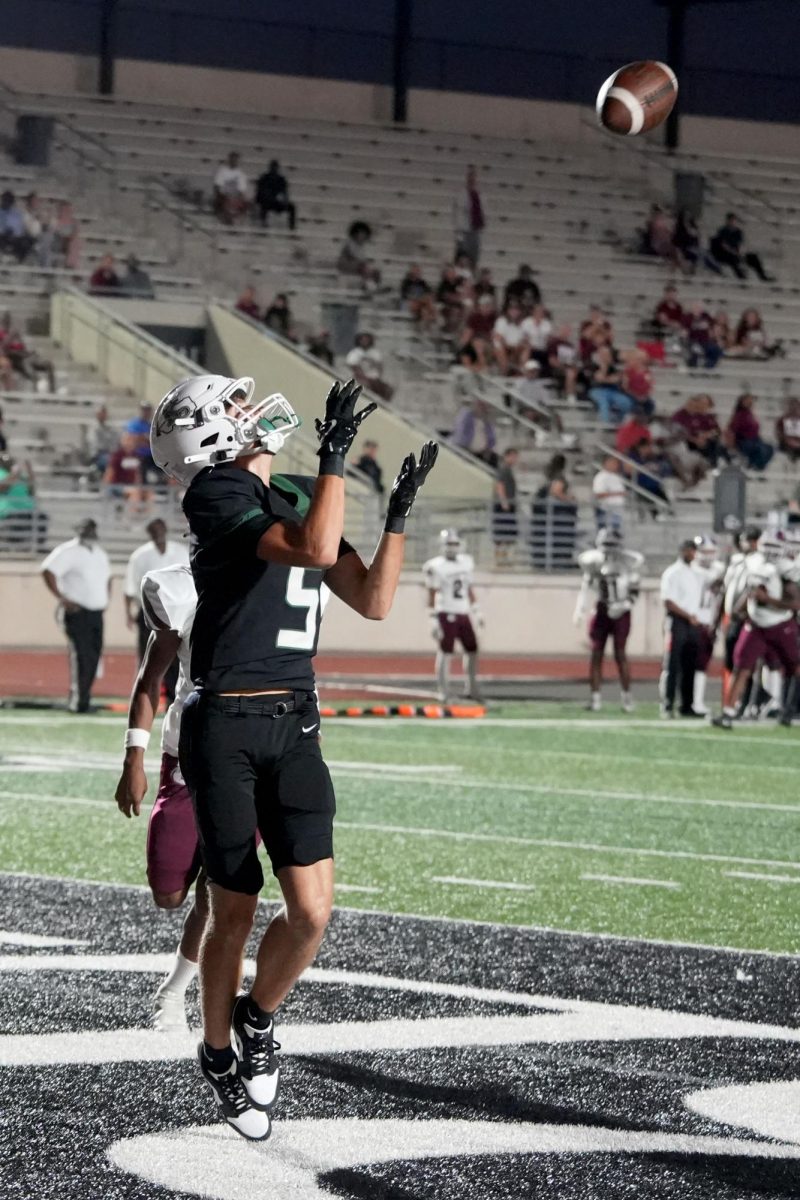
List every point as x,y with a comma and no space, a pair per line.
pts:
370,591
159,655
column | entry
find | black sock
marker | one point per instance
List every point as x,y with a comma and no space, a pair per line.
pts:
219,1061
257,1014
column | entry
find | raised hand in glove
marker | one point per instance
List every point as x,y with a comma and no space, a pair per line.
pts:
410,479
340,426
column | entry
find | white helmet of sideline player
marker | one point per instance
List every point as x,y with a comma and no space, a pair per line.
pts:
610,541
210,419
707,551
772,545
451,544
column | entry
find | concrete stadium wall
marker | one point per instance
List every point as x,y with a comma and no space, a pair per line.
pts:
525,614
326,99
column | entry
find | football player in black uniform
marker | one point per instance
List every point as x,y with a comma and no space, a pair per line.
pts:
264,549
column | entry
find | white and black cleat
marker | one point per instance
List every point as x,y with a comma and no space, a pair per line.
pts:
233,1102
255,1047
169,1011
723,721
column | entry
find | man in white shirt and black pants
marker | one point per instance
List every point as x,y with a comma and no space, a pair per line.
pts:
681,593
159,552
78,574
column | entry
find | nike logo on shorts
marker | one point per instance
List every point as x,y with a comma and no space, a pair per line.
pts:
310,728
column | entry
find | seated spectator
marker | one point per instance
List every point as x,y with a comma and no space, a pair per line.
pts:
728,249
744,434
278,317
365,362
701,348
751,339
479,329
136,282
697,426
26,362
355,258
722,332
368,464
595,331
608,490
231,190
633,433
464,270
645,455
606,391
669,316
272,195
104,280
524,289
532,398
450,298
416,295
39,229
21,526
562,363
13,235
139,430
508,340
319,346
248,304
637,380
484,285
554,514
787,429
686,241
101,440
658,234
538,329
66,237
474,431
123,475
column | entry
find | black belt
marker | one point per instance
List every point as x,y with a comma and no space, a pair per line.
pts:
276,704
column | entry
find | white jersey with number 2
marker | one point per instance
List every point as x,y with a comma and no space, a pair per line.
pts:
451,579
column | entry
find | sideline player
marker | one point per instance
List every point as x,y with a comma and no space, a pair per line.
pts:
711,569
770,634
451,607
168,601
734,586
614,573
262,550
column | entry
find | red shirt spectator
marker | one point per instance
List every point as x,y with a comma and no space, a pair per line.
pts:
697,421
669,312
744,425
104,278
637,379
480,323
248,305
124,467
632,433
699,325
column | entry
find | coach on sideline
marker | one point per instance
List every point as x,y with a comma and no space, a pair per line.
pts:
78,574
681,592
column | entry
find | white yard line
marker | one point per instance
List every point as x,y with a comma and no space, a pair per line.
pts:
482,883
9,937
357,887
634,881
765,878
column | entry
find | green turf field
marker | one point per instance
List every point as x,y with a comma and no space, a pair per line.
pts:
540,815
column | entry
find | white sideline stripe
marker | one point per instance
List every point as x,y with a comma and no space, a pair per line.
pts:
9,937
556,844
357,887
766,878
482,883
634,881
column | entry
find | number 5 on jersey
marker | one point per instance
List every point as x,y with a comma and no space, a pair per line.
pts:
309,598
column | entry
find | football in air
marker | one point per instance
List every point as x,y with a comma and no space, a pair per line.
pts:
637,97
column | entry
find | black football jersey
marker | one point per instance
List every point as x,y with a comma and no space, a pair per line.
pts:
257,623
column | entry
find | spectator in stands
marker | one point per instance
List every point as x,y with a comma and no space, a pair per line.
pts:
647,479
697,426
728,249
319,346
469,219
633,433
365,362
101,439
595,331
139,429
524,289
368,464
124,476
355,259
669,316
484,285
637,380
26,362
479,329
562,363
686,242
554,515
450,298
66,237
787,429
465,272
272,195
104,280
722,332
39,230
701,347
658,234
504,511
606,391
278,317
508,340
231,190
248,304
751,339
78,574
608,489
136,282
13,235
21,526
533,400
744,434
416,295
474,431
538,329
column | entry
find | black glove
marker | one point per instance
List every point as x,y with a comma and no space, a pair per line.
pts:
410,479
340,426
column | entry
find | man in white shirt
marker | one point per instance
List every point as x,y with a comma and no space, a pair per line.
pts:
231,189
682,595
159,552
366,364
608,489
78,574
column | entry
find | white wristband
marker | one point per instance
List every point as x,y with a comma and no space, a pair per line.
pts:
136,737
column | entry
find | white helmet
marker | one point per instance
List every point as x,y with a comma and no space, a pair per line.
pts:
451,543
772,545
208,419
706,549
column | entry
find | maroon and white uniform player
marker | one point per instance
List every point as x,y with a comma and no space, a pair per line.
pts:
770,633
173,854
613,574
452,607
711,569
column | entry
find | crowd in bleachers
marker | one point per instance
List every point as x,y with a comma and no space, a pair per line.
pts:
46,235
678,240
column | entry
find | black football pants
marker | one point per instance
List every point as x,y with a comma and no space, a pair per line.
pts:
681,664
